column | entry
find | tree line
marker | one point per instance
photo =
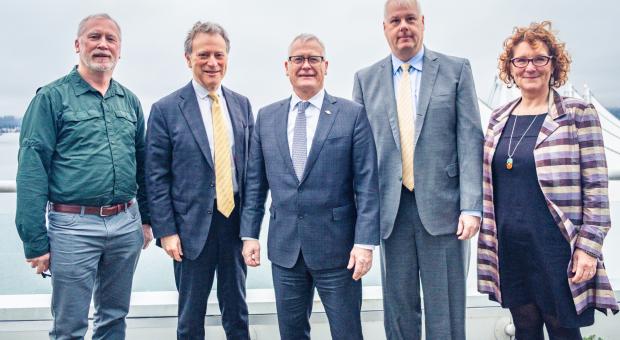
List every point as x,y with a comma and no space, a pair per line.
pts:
10,123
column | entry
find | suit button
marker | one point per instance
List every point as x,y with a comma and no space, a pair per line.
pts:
209,212
212,185
300,190
300,216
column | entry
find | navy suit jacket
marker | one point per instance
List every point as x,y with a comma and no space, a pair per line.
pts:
336,203
180,178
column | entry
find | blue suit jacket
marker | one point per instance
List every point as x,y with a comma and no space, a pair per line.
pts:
336,203
179,170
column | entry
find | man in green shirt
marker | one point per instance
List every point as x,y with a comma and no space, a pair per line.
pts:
81,156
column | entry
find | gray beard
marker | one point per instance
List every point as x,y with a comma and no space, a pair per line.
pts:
98,67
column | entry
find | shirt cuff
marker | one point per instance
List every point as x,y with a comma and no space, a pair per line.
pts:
472,213
365,246
249,239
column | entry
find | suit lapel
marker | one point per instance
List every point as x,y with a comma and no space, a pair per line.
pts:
189,108
281,124
323,128
389,98
555,111
236,118
430,69
499,123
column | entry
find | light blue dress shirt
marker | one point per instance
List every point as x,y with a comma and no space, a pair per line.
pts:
415,75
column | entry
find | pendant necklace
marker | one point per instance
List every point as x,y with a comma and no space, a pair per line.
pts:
509,160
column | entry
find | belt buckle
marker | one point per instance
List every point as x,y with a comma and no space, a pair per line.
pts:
101,210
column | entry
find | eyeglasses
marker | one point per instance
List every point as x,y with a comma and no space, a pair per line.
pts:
540,60
312,60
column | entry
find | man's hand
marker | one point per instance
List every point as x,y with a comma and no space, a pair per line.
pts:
584,266
361,260
42,263
468,226
172,246
148,235
251,253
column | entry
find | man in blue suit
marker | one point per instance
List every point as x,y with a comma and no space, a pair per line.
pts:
316,154
197,145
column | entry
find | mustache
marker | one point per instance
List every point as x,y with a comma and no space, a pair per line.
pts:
100,54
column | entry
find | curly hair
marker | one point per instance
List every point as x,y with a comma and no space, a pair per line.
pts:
534,34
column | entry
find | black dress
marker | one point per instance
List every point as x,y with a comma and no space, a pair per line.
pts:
533,253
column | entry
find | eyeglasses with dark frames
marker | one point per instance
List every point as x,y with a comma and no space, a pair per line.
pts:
540,60
312,60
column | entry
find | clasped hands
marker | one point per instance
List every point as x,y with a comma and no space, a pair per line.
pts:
360,259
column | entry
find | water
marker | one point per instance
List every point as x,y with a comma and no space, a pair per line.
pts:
154,271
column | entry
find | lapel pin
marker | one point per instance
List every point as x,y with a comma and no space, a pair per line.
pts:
328,112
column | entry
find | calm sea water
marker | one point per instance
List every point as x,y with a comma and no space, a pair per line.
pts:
154,271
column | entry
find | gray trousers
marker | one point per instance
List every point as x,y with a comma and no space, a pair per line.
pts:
410,255
90,252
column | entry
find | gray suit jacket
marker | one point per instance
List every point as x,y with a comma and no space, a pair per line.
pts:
334,206
448,141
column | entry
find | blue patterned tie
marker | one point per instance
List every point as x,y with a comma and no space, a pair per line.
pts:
300,147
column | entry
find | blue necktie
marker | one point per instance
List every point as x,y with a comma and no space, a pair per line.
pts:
300,147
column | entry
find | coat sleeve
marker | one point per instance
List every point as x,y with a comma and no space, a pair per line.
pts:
256,187
365,182
158,170
469,142
594,182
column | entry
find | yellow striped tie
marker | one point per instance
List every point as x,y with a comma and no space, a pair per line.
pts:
406,125
222,154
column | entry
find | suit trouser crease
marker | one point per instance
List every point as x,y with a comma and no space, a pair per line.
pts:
411,255
92,256
220,258
340,294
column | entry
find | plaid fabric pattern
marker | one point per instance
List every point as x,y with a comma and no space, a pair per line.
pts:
572,173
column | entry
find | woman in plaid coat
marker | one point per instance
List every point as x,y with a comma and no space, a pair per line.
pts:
545,208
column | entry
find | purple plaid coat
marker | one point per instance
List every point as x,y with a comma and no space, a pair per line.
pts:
572,173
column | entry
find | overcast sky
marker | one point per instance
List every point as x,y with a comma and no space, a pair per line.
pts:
37,41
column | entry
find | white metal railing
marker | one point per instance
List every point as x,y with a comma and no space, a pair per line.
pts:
7,186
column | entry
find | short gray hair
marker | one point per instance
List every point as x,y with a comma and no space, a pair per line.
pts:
208,28
305,37
106,16
407,3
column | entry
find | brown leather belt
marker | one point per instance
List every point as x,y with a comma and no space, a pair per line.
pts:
103,211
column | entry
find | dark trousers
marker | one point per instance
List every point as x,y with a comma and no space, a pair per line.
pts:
340,294
194,279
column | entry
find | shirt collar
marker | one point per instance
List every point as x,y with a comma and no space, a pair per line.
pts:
80,86
416,61
316,101
203,93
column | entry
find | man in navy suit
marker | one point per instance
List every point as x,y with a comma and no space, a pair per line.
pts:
197,143
316,154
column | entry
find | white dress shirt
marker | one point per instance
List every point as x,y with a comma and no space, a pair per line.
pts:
312,119
204,103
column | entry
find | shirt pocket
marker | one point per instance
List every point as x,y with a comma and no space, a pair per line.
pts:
81,127
125,124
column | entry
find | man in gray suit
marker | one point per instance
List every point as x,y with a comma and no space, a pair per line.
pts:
426,124
316,154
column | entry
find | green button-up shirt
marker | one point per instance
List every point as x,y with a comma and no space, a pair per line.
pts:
77,147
